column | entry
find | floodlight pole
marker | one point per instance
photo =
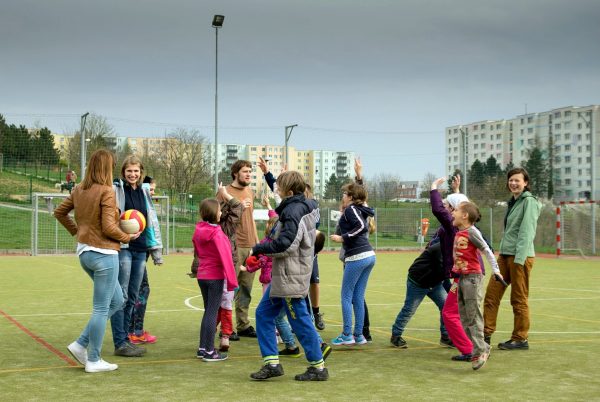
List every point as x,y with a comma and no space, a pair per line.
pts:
288,134
465,162
217,23
83,150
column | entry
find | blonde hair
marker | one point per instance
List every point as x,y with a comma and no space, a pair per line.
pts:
271,224
471,210
99,169
291,181
133,160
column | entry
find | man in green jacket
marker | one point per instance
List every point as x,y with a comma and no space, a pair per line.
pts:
515,261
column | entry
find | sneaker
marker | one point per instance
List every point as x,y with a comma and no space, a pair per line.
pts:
213,357
446,341
479,361
463,358
248,332
129,350
487,339
279,340
513,345
319,323
313,374
136,340
343,340
290,352
149,338
78,352
268,371
369,338
200,353
398,341
360,340
325,350
99,366
224,345
234,337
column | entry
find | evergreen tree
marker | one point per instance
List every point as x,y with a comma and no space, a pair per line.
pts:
537,168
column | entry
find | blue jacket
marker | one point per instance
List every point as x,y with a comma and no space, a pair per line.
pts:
355,228
292,248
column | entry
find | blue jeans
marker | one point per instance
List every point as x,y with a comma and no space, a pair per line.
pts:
131,272
285,330
354,285
267,311
108,298
414,296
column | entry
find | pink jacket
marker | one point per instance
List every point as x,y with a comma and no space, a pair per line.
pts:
265,264
214,252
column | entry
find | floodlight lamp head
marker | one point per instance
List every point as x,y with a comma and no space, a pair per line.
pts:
217,21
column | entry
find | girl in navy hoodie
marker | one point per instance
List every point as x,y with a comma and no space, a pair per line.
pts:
216,268
359,261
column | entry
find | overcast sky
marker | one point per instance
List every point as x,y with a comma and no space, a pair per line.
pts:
379,78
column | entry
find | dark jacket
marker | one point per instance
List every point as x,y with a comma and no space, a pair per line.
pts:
427,270
292,248
355,228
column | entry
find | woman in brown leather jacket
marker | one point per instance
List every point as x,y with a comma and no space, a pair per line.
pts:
96,226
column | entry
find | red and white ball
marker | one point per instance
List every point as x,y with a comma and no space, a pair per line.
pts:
132,221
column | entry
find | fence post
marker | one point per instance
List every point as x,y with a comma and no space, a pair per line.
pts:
328,227
593,204
492,226
376,228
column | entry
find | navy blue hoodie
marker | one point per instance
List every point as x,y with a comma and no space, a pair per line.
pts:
354,228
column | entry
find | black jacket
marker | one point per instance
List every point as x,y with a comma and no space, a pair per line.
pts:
427,270
355,228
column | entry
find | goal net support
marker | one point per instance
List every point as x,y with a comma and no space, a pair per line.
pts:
577,225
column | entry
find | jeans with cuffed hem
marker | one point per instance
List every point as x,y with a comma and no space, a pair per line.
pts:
131,272
107,298
354,285
414,296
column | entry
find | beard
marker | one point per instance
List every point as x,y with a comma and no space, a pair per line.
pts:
241,183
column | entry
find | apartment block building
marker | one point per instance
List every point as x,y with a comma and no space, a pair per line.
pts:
570,135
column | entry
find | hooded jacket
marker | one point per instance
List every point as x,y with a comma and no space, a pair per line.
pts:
292,248
214,253
521,224
355,228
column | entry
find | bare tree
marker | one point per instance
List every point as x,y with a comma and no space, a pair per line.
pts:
386,185
183,160
98,134
427,180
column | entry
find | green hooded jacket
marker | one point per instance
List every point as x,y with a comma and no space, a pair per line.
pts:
520,228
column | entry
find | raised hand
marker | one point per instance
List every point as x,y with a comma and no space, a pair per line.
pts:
358,167
262,164
437,182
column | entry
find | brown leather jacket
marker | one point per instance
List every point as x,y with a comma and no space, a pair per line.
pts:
96,217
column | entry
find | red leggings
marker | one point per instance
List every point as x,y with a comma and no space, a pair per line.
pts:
226,319
452,322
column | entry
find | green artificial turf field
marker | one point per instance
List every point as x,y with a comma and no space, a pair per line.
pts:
46,301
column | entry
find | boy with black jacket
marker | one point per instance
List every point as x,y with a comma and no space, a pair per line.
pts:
425,278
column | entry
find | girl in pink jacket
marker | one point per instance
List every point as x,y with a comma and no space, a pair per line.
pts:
214,271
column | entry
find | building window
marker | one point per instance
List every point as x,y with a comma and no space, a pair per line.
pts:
567,136
498,136
567,158
482,136
567,182
498,126
476,146
567,113
476,137
556,115
530,130
530,119
567,147
482,126
475,127
557,126
567,170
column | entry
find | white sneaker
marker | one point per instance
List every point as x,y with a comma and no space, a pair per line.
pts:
78,352
100,365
